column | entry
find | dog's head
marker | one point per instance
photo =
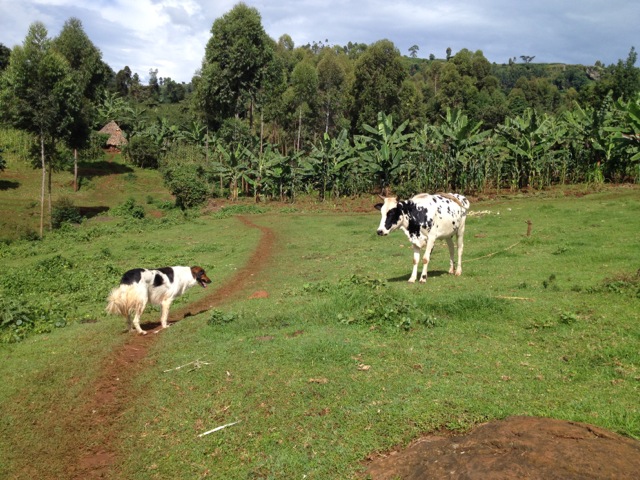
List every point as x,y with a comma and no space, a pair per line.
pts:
200,276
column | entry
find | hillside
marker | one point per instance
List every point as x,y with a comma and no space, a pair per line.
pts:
104,184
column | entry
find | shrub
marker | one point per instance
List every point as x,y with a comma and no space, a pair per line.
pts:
129,209
142,152
188,185
64,212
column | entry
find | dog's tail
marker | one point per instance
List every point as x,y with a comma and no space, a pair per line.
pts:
123,300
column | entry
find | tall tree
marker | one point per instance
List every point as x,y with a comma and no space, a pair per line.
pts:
39,95
332,78
235,63
379,73
5,55
90,74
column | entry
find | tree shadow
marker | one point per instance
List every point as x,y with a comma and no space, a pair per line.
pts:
101,168
90,212
8,185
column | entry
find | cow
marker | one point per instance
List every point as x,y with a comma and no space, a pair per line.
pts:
424,219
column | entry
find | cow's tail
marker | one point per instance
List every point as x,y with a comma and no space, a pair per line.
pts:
459,199
123,300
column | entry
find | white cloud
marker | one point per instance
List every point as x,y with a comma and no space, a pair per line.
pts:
171,35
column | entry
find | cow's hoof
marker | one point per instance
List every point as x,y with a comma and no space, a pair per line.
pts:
423,280
412,280
142,332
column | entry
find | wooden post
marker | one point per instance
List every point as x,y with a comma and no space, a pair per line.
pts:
529,226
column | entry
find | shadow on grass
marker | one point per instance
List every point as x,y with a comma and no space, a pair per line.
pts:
431,273
90,212
102,168
8,185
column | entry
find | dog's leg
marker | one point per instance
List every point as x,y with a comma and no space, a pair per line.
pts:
129,323
136,322
165,313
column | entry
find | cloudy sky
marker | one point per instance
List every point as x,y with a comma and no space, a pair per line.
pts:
171,35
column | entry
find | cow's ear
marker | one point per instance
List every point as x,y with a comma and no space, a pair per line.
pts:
378,206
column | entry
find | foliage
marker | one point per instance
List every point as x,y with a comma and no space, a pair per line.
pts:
142,151
129,209
19,320
234,63
384,150
64,211
219,317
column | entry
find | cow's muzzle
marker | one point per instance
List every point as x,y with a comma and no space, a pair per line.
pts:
382,233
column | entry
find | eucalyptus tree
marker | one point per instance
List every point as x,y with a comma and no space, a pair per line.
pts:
39,94
5,55
378,76
332,81
235,63
304,86
90,74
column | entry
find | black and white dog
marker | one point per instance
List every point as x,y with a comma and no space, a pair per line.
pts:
160,287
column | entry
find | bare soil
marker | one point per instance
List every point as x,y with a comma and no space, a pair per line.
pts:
515,448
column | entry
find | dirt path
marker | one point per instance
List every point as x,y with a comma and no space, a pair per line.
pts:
113,393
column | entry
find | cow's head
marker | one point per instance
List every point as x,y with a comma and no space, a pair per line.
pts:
391,215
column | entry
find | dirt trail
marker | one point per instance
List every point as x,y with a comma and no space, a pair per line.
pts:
112,393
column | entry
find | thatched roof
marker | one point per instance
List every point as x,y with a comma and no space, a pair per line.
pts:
116,137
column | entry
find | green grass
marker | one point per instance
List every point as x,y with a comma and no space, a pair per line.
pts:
344,358
104,183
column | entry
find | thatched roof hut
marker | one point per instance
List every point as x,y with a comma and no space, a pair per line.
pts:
116,137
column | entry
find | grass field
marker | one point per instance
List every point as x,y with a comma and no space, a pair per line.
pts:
343,358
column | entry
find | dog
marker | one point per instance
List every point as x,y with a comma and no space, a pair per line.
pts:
159,287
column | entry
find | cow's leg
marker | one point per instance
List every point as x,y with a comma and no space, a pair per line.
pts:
451,254
416,259
427,255
460,248
165,312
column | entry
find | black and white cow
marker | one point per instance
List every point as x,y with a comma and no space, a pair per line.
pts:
424,219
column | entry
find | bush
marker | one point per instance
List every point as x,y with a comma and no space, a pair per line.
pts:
189,185
142,152
129,209
64,212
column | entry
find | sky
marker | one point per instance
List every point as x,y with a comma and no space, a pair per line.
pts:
171,35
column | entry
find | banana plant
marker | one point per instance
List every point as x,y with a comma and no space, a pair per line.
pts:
628,135
458,142
384,150
529,138
329,162
234,167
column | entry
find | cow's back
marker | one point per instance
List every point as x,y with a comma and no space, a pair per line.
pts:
440,214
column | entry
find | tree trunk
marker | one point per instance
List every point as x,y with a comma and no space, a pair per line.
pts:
44,179
299,130
75,169
261,130
49,195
